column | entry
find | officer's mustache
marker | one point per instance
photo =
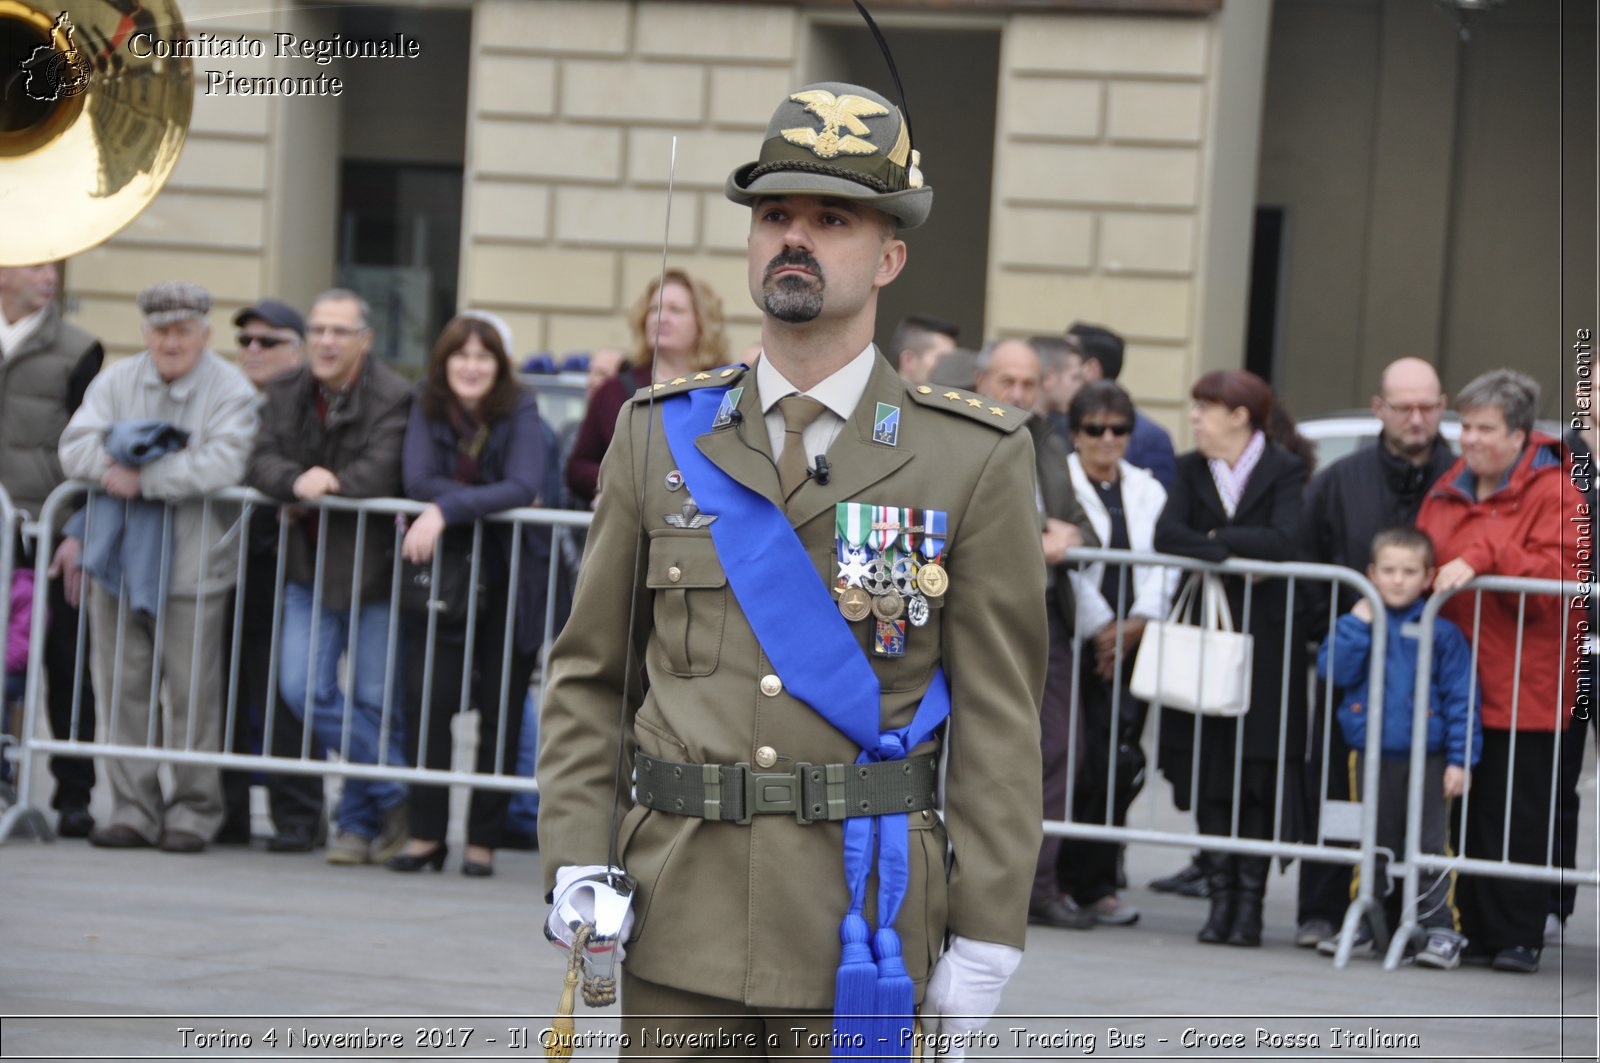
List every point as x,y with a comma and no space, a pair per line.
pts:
795,257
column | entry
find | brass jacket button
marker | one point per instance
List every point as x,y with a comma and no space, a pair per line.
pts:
766,757
674,574
771,685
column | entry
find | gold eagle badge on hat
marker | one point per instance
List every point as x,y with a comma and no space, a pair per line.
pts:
835,111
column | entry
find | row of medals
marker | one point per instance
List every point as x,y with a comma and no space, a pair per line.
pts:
892,572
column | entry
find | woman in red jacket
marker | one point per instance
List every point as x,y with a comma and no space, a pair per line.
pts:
1504,509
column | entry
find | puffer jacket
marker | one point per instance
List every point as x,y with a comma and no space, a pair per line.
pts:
41,385
1346,656
1529,527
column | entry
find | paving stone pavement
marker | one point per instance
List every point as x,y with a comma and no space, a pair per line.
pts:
152,943
113,954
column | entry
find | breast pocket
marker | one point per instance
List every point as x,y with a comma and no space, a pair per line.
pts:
691,602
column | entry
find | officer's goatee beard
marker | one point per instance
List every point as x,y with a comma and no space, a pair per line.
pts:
794,300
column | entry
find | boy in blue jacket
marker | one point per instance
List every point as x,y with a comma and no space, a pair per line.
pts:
1402,569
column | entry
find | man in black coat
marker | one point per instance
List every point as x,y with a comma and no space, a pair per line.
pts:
1345,505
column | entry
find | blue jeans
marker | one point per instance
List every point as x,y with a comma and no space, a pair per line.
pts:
365,800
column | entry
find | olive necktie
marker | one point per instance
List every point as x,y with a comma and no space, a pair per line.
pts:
798,412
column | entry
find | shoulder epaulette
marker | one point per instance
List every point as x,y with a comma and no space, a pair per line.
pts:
975,407
719,377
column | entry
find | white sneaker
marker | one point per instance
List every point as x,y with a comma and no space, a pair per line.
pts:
1442,951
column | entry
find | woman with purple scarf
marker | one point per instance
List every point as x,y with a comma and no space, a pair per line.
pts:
1237,494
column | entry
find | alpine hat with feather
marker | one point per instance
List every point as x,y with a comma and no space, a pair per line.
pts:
834,139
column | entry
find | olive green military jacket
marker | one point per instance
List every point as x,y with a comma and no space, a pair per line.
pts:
751,913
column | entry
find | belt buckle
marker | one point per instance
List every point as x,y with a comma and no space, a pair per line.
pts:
771,792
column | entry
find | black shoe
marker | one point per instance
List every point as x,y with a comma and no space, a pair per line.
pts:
234,832
473,869
1250,886
118,836
1218,869
1060,912
182,841
1519,959
434,858
293,839
1190,882
74,823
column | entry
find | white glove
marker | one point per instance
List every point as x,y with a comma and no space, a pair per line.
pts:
584,894
964,991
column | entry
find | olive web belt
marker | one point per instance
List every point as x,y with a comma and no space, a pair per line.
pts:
811,793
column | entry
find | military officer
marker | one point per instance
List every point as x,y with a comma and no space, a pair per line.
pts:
878,540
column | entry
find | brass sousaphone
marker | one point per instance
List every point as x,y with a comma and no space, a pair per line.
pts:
90,128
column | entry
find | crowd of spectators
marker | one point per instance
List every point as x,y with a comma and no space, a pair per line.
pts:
306,413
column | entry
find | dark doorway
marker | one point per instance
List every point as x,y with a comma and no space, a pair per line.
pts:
950,78
1264,325
400,185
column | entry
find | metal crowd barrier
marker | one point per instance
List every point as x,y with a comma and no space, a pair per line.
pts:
239,504
10,522
1416,861
1346,831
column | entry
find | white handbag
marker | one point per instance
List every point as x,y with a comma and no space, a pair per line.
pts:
1202,668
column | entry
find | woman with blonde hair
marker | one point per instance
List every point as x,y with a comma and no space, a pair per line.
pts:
677,330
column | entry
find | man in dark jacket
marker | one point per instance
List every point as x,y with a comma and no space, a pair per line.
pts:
1346,504
271,342
335,427
1010,370
45,368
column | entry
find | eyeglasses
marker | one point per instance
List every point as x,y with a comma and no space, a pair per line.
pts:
1410,408
266,343
1098,431
338,332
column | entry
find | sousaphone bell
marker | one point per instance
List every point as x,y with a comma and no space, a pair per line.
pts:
89,128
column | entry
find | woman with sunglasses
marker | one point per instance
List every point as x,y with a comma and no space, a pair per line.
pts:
1237,494
1122,501
474,446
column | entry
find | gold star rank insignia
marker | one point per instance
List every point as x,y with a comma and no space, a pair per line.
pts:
680,380
975,403
702,376
997,411
952,395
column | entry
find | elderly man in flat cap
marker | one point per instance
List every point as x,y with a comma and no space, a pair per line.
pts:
156,432
836,578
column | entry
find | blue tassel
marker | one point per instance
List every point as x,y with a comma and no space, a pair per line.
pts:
896,997
855,994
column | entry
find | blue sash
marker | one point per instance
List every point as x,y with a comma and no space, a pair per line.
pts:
814,652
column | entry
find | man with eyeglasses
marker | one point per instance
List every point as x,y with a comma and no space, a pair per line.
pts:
270,341
1010,371
1344,506
335,427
